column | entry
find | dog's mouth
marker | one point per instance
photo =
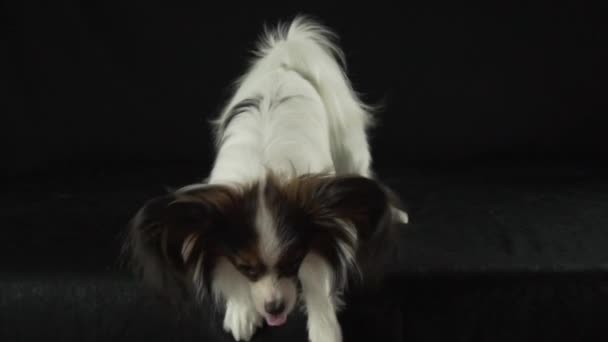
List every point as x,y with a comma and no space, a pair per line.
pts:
276,320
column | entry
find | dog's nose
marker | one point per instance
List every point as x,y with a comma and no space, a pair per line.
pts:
274,307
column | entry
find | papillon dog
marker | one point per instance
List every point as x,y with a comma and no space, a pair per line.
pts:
291,213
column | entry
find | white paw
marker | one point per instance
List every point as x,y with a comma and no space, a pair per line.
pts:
241,320
326,330
401,216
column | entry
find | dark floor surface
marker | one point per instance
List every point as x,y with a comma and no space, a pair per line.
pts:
493,253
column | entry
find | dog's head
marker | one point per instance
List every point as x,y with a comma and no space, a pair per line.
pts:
253,240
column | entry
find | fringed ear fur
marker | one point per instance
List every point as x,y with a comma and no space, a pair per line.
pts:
354,220
167,238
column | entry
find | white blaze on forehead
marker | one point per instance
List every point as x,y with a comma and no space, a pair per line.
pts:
265,225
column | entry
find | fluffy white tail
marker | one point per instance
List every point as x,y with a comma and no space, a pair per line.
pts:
308,48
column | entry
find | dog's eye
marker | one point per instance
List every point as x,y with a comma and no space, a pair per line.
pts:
250,271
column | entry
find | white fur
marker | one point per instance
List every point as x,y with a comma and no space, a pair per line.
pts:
268,244
347,251
308,119
188,245
241,318
320,127
320,303
270,287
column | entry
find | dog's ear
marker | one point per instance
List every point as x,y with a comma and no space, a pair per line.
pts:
359,200
374,211
168,238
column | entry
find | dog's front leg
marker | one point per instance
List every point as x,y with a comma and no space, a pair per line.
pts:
241,319
317,277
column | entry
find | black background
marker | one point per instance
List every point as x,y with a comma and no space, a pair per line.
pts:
106,103
125,82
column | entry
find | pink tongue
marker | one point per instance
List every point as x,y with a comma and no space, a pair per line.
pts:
275,321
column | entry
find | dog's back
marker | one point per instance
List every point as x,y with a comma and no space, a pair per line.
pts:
294,111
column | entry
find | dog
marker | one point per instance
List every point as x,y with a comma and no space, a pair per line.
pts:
291,212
